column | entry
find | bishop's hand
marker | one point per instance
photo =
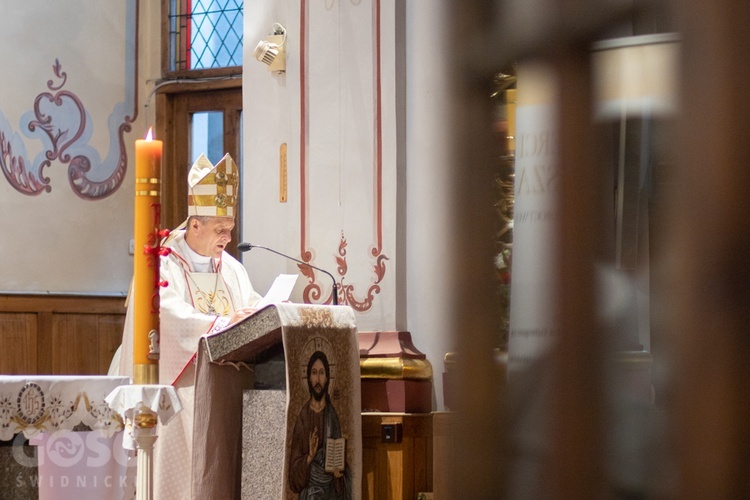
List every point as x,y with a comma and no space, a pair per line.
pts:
241,314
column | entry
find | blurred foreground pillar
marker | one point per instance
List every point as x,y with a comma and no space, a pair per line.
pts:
707,252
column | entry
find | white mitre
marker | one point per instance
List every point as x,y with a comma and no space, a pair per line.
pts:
212,189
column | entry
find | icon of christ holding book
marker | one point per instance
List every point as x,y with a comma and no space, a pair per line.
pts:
317,464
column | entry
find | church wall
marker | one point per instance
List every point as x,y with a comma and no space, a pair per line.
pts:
335,110
70,111
369,111
429,245
344,110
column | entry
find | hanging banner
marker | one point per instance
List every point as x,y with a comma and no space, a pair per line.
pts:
532,305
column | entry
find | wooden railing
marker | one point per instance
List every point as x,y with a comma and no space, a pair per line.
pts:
697,447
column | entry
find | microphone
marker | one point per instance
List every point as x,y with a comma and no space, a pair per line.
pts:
246,247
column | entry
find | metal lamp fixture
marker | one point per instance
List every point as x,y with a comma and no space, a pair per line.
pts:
271,50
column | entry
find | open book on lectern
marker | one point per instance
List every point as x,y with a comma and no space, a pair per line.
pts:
250,339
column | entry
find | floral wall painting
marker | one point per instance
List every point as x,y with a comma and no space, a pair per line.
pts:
369,158
59,121
339,118
69,117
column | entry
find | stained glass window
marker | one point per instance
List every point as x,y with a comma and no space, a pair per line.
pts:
205,34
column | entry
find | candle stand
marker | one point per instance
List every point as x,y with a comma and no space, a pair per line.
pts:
142,407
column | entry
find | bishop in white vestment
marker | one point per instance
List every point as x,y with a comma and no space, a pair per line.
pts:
206,290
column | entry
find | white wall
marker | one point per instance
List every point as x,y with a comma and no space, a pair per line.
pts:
335,110
59,241
341,87
428,202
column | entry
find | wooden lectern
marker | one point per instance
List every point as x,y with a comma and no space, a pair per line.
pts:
242,431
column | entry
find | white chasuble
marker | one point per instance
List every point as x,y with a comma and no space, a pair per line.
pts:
185,304
185,316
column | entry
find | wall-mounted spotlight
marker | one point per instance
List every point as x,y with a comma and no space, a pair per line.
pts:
271,50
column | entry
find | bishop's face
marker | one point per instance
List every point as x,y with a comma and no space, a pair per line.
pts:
209,236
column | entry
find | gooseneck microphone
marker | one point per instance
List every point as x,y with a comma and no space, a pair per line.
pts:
245,247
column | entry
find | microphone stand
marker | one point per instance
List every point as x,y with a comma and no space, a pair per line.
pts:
245,247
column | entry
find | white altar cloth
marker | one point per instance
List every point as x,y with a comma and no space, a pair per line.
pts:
128,400
31,404
71,464
160,399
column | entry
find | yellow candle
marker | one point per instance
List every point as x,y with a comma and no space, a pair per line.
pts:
145,293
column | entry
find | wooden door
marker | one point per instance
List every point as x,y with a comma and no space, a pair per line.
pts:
186,122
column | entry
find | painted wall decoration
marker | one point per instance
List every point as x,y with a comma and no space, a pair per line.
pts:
68,122
359,300
378,269
335,109
59,120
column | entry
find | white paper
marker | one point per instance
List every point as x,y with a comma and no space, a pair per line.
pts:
280,290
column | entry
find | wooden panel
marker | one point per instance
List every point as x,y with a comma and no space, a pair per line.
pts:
45,345
59,335
394,482
72,341
423,463
444,453
707,316
110,336
82,343
369,467
396,470
18,341
62,303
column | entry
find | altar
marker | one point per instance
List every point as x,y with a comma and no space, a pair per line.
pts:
60,439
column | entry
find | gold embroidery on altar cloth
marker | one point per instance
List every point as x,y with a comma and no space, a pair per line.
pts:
318,317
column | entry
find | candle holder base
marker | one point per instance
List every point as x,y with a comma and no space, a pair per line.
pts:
146,374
